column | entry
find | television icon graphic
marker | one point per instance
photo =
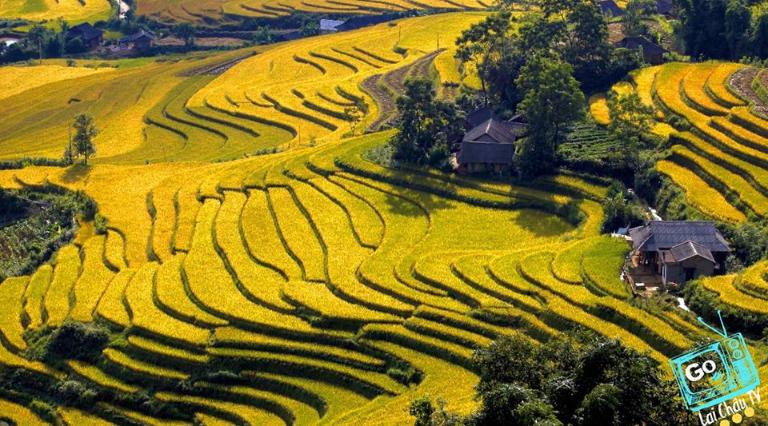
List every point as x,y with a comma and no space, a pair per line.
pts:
716,372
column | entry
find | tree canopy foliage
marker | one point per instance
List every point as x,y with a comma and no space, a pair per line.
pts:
583,379
552,100
705,24
427,125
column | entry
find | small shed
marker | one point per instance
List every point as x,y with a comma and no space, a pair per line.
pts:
328,26
489,146
652,52
91,36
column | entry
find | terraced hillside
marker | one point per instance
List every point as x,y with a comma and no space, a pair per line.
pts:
719,148
307,286
210,10
285,95
331,289
69,10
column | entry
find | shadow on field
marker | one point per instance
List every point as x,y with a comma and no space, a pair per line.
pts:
76,173
400,201
541,223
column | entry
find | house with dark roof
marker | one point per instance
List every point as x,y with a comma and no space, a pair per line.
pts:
489,146
139,42
610,9
679,251
652,53
91,36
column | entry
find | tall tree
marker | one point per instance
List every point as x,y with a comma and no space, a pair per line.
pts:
760,36
551,102
36,36
485,38
427,125
587,48
186,32
85,131
637,11
738,19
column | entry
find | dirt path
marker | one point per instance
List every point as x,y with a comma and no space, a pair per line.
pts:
386,88
741,81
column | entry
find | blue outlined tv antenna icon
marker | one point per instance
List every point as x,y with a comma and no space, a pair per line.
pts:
717,372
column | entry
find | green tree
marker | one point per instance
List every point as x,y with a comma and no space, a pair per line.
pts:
85,131
636,13
738,20
760,36
310,28
631,123
487,37
355,117
36,36
619,210
586,42
427,125
552,100
186,32
263,35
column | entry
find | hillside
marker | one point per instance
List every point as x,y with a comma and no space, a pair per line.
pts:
70,10
259,268
284,95
717,136
212,10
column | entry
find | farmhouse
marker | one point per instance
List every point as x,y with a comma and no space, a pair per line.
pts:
489,146
138,42
678,251
652,52
90,36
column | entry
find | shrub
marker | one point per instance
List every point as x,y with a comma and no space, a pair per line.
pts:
75,340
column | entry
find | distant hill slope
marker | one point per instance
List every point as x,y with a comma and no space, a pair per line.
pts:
288,94
213,10
74,11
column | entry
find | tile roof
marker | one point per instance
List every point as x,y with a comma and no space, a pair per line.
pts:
689,249
664,235
85,31
498,131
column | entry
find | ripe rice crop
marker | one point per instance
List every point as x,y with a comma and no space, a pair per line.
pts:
11,329
725,287
69,10
598,106
34,294
699,193
67,269
15,80
20,414
204,273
